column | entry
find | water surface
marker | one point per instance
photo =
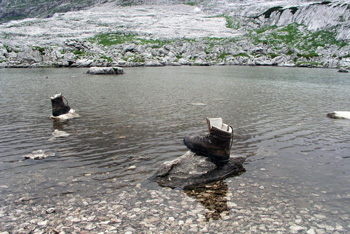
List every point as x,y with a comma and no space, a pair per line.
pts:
132,123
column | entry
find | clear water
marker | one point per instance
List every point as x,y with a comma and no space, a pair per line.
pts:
130,124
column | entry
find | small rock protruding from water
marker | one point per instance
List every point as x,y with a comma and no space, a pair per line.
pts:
192,169
339,115
105,70
343,70
39,154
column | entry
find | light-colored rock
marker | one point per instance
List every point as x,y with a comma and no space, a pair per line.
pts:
84,62
63,40
39,154
339,115
105,70
64,117
58,133
296,228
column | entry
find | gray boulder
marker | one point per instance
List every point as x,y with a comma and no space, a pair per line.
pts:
192,169
342,70
105,70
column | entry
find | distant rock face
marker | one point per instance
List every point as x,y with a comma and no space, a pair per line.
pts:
316,16
157,33
20,9
191,169
105,70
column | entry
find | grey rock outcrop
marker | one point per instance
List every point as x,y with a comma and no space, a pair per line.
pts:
273,36
191,169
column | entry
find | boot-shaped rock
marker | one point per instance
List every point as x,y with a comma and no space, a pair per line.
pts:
216,145
59,107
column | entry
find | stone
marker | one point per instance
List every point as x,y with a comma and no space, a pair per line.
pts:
342,70
311,231
58,133
192,169
64,117
84,62
339,115
50,210
105,70
296,228
39,154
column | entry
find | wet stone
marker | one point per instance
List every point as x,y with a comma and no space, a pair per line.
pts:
192,169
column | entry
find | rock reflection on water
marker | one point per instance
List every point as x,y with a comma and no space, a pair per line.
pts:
213,198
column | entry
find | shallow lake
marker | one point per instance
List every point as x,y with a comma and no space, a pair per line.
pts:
130,124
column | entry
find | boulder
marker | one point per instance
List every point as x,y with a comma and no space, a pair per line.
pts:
192,169
342,70
339,115
105,70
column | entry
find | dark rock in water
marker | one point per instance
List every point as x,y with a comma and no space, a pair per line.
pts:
343,70
339,115
105,70
331,115
192,169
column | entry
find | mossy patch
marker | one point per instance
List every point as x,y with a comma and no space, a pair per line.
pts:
294,36
108,59
111,39
223,55
40,49
232,22
241,55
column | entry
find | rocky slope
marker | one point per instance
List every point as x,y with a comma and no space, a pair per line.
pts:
231,32
20,9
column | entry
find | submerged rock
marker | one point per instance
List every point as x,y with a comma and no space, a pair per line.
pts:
39,154
57,133
70,115
105,70
192,169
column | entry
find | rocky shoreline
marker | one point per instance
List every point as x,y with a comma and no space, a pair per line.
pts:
82,53
176,35
238,205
